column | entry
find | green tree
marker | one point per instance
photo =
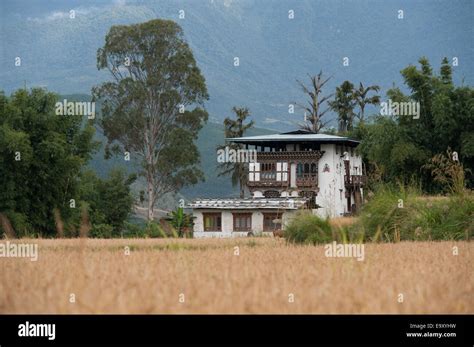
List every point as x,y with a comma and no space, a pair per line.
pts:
181,221
236,128
344,103
153,107
41,156
389,152
399,146
362,99
110,200
446,72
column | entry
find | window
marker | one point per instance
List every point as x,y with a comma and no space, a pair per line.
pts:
212,221
282,171
271,194
306,170
268,171
271,221
254,172
242,221
299,170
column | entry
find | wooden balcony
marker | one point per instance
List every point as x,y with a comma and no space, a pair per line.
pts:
355,180
266,183
289,156
307,181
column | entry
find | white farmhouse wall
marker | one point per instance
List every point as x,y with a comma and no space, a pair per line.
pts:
287,217
227,222
327,182
331,194
293,175
198,221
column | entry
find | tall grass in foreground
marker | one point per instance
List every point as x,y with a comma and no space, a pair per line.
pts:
105,280
404,214
393,215
310,229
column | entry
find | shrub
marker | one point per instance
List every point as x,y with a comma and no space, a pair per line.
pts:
15,224
383,215
447,219
181,222
153,229
102,231
110,201
308,228
134,230
404,214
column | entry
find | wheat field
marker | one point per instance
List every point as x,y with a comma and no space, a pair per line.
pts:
251,275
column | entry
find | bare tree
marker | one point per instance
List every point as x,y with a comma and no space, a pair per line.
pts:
313,121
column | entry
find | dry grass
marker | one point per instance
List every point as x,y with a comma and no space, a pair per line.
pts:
340,222
214,280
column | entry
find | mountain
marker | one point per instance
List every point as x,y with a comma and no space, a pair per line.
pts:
210,136
59,52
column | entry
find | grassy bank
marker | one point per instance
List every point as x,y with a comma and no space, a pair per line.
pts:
393,215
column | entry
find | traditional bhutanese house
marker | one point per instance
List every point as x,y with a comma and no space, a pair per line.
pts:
292,171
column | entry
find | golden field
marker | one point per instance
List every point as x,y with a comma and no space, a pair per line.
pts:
159,274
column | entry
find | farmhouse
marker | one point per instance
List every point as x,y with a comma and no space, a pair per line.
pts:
294,170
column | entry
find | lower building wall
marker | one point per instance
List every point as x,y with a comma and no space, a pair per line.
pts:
227,222
331,196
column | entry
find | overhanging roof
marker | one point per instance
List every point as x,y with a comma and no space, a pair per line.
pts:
292,137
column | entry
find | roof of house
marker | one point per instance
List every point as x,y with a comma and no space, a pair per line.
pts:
292,137
250,203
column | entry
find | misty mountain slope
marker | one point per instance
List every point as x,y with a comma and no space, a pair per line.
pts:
210,136
60,53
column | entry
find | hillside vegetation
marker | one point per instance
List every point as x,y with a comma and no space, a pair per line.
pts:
59,53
